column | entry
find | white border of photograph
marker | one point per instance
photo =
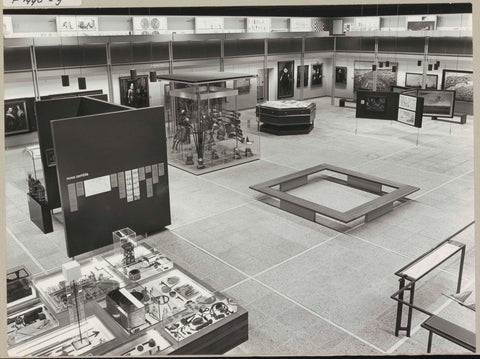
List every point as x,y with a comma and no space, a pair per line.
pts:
301,24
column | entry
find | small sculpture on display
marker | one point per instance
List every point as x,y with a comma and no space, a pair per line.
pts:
36,189
214,154
248,152
200,164
124,243
182,134
189,160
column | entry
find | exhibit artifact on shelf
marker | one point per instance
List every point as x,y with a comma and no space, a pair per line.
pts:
205,130
415,80
302,70
134,92
459,81
162,310
363,76
286,117
285,79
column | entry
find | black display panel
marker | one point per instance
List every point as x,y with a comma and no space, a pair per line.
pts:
284,46
319,44
49,110
401,44
244,47
184,50
113,173
355,44
17,58
377,105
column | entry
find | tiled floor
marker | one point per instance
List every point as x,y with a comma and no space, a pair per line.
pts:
308,289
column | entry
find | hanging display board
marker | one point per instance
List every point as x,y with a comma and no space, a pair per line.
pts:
259,24
410,110
149,25
113,175
377,105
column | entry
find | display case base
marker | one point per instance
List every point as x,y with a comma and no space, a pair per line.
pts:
286,130
196,171
40,214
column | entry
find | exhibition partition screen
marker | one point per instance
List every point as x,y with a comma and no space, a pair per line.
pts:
112,173
55,109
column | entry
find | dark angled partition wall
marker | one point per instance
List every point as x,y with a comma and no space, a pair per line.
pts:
112,171
49,110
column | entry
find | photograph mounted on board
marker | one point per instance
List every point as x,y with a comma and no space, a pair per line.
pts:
285,79
437,102
305,75
363,76
16,120
414,80
341,75
134,93
459,81
376,104
317,75
406,116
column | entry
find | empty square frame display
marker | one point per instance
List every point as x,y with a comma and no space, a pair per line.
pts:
112,171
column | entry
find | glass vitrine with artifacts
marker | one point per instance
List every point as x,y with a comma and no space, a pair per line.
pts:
205,130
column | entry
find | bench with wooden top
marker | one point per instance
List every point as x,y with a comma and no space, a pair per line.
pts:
418,269
309,210
449,331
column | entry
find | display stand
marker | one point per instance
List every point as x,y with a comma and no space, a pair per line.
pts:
286,117
40,214
205,131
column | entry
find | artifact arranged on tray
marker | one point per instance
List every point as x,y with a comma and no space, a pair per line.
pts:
152,342
19,287
29,323
36,189
97,280
59,342
183,306
144,262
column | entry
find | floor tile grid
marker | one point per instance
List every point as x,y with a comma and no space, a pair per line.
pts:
250,277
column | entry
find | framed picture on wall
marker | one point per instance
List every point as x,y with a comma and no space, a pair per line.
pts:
363,76
437,102
414,80
421,23
341,75
16,120
134,93
459,81
317,75
303,69
285,79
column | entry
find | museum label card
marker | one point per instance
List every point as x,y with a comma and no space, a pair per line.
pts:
72,197
121,185
97,185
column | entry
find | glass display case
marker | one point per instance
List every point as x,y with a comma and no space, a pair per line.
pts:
163,310
205,130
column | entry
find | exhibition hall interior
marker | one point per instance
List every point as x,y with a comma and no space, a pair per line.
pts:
260,181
